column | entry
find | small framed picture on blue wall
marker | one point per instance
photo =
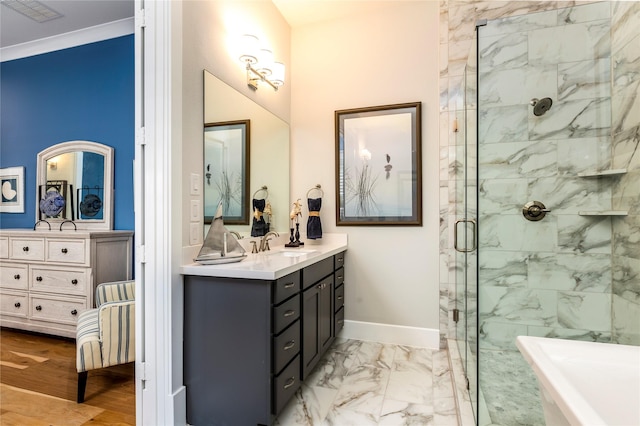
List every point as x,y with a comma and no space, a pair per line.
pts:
12,184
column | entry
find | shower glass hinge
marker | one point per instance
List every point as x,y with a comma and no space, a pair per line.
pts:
456,315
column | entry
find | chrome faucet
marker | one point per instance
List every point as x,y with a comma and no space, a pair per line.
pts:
264,241
237,234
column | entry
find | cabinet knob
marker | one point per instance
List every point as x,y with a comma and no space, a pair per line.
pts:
25,248
289,313
64,250
38,278
17,304
16,277
74,281
74,312
38,308
290,344
289,382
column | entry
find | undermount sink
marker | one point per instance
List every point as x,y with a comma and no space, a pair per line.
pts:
292,252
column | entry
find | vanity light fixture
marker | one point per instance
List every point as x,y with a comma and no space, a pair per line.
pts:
260,64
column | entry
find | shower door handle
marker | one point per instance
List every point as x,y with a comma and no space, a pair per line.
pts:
455,236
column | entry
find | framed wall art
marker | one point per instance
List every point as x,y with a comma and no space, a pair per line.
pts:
378,165
12,184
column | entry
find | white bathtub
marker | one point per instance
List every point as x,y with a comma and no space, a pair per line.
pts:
585,383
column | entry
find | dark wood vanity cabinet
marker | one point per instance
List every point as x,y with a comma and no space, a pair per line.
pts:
248,344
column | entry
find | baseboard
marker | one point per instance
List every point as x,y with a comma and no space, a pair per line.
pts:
392,334
71,39
180,406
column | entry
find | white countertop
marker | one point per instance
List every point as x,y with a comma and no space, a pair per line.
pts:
273,264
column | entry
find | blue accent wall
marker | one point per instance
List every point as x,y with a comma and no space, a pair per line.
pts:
81,93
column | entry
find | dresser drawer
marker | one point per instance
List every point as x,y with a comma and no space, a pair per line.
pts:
339,298
286,287
26,249
4,248
285,314
339,320
67,251
14,275
339,277
338,260
286,346
60,310
285,385
317,271
14,303
60,280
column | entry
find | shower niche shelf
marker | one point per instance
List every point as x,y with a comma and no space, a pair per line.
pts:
603,173
604,213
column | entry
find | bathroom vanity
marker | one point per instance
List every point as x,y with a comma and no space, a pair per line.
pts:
254,330
48,277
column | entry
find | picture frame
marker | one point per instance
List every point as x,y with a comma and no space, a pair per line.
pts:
12,190
378,159
226,171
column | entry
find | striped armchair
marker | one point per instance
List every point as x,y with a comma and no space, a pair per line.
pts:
105,336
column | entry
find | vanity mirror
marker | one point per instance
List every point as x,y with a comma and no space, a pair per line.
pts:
75,182
268,162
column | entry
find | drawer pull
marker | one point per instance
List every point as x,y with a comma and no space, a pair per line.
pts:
321,286
25,248
16,277
74,281
38,308
290,344
17,304
74,312
289,313
289,285
340,259
340,321
340,297
38,278
339,277
289,382
64,250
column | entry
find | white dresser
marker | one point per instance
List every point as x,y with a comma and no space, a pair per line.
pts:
48,277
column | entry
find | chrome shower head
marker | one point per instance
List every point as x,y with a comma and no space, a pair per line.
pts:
541,106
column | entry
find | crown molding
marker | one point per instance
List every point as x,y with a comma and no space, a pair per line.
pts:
71,39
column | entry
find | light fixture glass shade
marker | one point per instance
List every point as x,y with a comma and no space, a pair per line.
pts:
277,75
248,48
265,62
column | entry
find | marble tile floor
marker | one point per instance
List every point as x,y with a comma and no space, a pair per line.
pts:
364,383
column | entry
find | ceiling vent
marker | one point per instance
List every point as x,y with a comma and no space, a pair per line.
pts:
32,9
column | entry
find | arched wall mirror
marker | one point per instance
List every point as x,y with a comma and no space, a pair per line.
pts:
268,163
75,182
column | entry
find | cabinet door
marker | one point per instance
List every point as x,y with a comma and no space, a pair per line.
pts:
316,323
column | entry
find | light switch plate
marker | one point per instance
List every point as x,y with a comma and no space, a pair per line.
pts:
196,184
194,234
195,211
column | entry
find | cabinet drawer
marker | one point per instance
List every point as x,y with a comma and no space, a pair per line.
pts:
60,280
339,277
285,385
317,271
14,303
338,260
4,248
286,287
339,298
66,251
26,249
60,310
285,314
286,346
14,276
339,318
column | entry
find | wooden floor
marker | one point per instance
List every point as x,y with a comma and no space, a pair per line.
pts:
38,384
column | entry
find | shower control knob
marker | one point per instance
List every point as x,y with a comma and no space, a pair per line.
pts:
534,211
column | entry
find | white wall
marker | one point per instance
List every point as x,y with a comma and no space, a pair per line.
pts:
384,57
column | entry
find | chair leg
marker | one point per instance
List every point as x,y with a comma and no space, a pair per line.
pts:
82,385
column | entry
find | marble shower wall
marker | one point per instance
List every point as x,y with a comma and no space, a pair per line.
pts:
552,277
625,104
